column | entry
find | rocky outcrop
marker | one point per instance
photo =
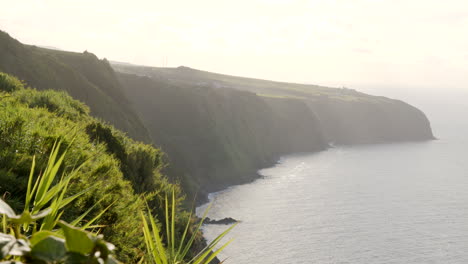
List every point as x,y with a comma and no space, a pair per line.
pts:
224,221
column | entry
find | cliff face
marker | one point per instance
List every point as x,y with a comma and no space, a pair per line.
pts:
370,120
216,129
82,75
347,116
218,137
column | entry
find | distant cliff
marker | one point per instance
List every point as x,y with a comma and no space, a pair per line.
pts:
218,137
346,115
217,130
370,120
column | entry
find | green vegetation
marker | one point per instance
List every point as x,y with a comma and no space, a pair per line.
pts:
38,235
107,172
81,75
30,122
215,128
177,250
185,76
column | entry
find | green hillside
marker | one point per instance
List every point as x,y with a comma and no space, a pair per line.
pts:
185,76
217,130
117,171
82,75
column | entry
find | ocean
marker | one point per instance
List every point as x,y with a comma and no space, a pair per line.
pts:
384,203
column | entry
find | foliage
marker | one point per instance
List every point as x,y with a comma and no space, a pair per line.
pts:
176,249
65,245
39,236
57,102
140,163
82,75
33,237
9,83
31,121
115,170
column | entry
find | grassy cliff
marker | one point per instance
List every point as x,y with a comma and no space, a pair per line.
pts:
215,138
82,75
117,170
346,115
216,129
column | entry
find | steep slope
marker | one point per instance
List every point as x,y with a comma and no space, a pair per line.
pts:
217,129
219,137
370,120
116,170
347,116
82,75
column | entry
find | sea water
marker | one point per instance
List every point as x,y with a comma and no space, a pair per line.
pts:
385,203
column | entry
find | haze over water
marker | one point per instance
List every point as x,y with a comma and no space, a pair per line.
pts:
386,203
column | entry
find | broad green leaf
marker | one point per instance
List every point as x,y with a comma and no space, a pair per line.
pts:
76,258
38,236
50,249
77,240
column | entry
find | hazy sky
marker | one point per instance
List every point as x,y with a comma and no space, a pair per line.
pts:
417,43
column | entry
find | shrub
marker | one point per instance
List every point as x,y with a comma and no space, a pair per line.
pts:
9,83
38,235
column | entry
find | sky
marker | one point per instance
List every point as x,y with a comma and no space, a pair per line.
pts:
353,43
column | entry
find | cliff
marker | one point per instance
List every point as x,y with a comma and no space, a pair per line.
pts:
82,75
370,120
219,137
346,115
216,129
219,129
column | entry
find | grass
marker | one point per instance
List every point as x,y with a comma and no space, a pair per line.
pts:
38,235
177,249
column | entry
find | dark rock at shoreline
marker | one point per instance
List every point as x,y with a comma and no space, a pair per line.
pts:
224,221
